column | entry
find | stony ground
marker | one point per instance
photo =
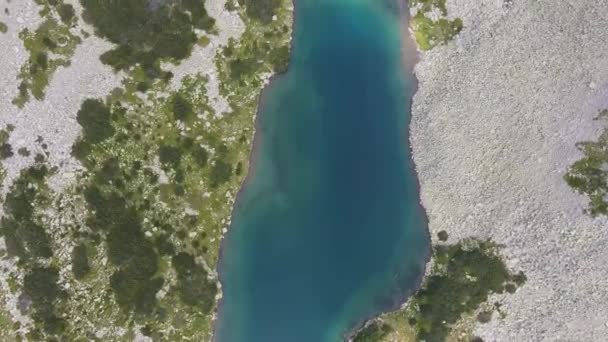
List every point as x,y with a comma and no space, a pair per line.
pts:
494,126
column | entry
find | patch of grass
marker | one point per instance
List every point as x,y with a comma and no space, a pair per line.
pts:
374,332
589,175
431,33
50,46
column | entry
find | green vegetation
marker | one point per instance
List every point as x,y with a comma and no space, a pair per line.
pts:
373,332
26,238
3,27
195,289
462,277
589,175
262,10
428,5
50,46
140,226
23,235
6,150
40,285
430,33
80,261
147,32
24,152
94,117
7,326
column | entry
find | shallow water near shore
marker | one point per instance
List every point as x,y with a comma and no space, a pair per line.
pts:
328,230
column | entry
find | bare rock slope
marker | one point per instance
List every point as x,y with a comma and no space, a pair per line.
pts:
495,122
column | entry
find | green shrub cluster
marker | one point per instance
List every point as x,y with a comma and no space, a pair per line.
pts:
80,261
463,276
589,175
181,108
221,172
194,286
430,33
94,118
27,239
134,283
262,10
23,236
40,284
147,33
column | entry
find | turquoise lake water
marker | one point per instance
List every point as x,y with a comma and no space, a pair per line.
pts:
327,231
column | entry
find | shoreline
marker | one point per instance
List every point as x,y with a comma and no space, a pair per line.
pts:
255,145
409,48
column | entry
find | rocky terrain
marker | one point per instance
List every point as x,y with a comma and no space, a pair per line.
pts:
495,123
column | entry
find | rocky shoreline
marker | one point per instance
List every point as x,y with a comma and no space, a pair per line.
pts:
494,128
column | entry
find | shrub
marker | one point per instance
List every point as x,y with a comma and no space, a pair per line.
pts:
262,10
181,108
6,151
280,59
94,117
66,13
80,261
40,285
169,155
194,287
200,155
220,173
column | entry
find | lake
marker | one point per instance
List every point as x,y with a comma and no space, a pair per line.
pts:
328,230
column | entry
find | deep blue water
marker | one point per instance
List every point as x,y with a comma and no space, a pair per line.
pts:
328,230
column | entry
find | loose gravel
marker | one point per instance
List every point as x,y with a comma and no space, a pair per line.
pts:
494,126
